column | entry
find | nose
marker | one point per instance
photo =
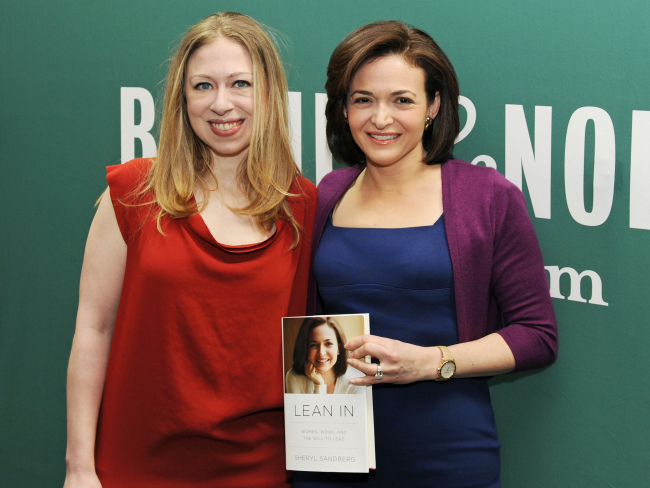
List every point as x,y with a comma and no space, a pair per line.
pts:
222,102
322,351
382,116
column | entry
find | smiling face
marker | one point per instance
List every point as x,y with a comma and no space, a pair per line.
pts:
387,109
219,95
323,348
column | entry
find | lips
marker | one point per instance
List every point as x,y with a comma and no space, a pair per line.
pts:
226,128
383,138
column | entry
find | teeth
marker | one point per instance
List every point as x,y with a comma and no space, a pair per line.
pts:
384,138
227,126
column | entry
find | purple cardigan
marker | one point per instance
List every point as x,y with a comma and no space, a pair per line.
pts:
499,278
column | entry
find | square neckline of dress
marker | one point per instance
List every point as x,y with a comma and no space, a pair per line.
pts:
331,222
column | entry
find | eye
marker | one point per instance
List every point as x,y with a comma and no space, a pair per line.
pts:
404,100
241,84
361,100
204,85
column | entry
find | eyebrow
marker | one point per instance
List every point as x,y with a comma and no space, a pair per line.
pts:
231,75
394,94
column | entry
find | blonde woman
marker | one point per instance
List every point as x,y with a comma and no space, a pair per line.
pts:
185,251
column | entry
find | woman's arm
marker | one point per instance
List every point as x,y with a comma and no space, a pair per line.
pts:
528,338
405,363
99,295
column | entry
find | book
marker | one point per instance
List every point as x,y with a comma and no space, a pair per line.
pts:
328,421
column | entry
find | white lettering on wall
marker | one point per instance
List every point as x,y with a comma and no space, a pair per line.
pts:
323,154
640,171
555,273
522,159
295,126
604,165
470,109
486,160
130,131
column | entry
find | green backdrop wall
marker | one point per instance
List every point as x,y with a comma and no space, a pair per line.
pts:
556,97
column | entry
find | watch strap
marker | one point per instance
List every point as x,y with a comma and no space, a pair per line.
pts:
447,357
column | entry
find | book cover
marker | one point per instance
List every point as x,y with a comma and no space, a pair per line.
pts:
328,421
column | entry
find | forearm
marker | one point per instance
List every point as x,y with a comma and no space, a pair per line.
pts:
100,288
487,356
407,363
86,377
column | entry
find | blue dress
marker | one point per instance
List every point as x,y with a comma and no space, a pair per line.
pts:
427,434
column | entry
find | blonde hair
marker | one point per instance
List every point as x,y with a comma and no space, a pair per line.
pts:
184,161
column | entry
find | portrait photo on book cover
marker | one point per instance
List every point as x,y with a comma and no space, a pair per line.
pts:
315,361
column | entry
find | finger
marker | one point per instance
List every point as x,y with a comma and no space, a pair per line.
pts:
366,368
372,349
367,338
357,341
363,380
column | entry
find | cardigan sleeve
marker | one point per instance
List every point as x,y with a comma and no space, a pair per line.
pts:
519,284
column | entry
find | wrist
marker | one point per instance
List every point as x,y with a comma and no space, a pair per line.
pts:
434,358
447,366
77,461
75,467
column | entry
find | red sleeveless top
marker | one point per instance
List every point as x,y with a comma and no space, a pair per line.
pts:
193,394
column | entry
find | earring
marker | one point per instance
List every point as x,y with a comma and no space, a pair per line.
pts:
427,123
346,120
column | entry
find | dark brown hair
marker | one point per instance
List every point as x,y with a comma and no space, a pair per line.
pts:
381,39
301,348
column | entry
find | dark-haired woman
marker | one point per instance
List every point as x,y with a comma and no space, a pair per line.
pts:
319,359
442,254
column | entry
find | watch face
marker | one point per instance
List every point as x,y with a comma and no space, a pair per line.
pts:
448,369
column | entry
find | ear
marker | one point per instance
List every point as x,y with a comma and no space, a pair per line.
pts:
345,112
434,107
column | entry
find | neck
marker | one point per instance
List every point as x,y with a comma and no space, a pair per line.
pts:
396,178
228,189
226,169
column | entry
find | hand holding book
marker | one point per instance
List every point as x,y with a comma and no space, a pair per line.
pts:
400,362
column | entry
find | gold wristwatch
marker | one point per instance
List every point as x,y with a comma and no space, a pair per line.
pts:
447,366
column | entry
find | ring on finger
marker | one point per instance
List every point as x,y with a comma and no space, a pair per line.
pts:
379,374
